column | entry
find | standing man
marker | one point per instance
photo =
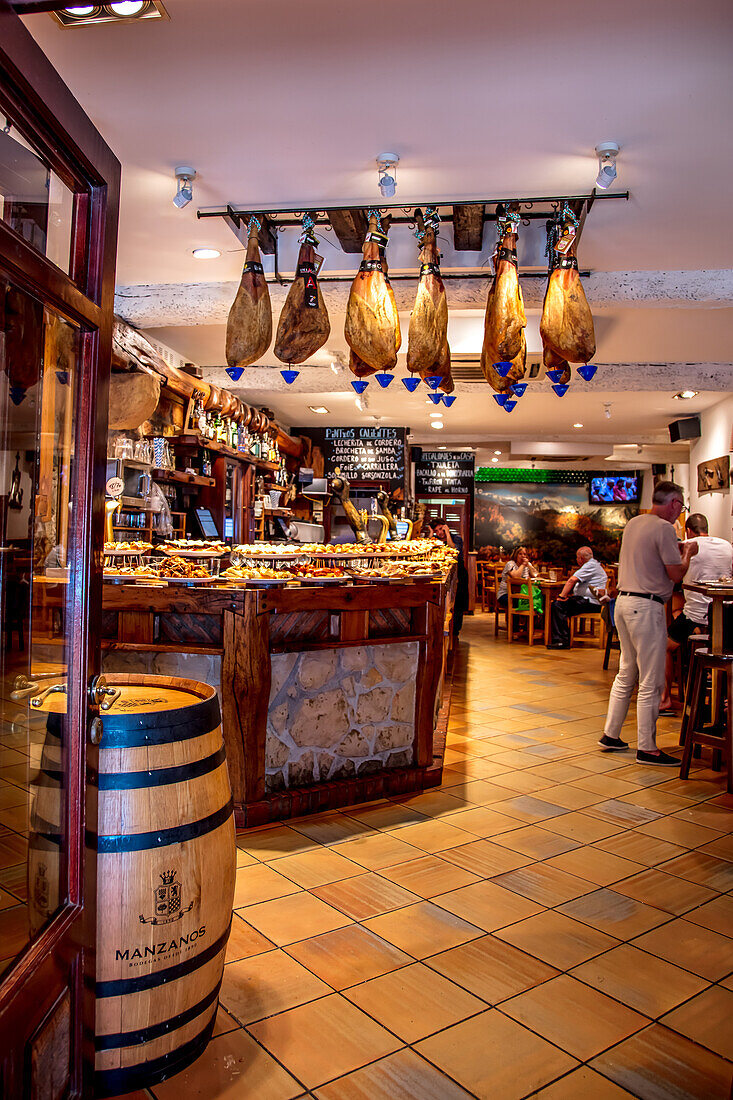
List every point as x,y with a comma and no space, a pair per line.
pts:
651,563
576,596
714,559
460,606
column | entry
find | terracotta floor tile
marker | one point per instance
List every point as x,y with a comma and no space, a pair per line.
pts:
245,940
706,1020
224,1022
297,917
708,815
429,876
478,792
524,781
432,803
536,842
696,949
331,828
706,870
274,843
377,850
531,809
481,821
547,885
574,1017
365,896
580,827
716,915
653,798
658,1063
721,849
640,847
485,858
434,836
264,984
580,1085
491,969
493,1056
685,833
401,1076
423,929
309,869
605,786
487,905
596,866
414,1002
388,815
348,955
557,939
614,913
323,1040
624,814
664,891
641,981
260,883
230,1064
571,797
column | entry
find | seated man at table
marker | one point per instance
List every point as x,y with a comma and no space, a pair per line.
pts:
576,596
714,559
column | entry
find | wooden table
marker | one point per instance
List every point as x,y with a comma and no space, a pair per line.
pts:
719,596
550,591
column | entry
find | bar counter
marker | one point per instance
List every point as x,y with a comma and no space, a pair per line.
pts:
329,695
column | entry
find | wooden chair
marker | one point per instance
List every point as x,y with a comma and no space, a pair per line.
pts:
516,615
719,735
588,619
486,573
611,635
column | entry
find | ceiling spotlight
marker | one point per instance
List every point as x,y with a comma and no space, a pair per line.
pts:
685,395
578,425
606,152
497,452
495,460
441,448
436,415
184,191
607,411
87,9
320,409
206,253
387,174
436,424
127,7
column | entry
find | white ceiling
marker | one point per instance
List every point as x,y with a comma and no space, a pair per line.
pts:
287,104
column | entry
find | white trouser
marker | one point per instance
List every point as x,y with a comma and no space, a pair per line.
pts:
642,633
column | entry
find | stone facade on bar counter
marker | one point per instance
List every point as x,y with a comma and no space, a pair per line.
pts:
337,713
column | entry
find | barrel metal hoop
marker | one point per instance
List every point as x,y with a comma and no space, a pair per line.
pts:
130,731
115,1081
182,773
155,1031
120,987
160,838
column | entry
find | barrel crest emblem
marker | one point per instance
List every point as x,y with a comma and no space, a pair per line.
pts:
167,901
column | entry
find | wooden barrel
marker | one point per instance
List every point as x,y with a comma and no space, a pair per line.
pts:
165,878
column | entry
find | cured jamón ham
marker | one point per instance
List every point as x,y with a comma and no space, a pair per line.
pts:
556,362
372,328
303,327
566,327
428,333
505,319
249,327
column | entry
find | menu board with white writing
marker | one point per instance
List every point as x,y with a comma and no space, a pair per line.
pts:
366,454
443,472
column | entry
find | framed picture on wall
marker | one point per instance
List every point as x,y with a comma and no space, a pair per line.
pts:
713,474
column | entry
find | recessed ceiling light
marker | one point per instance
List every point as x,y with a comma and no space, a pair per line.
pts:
495,460
437,416
436,424
206,253
320,409
441,448
497,452
117,11
127,7
87,9
577,425
685,395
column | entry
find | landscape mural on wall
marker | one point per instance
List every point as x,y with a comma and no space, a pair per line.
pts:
551,520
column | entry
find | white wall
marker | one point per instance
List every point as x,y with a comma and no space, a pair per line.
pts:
714,441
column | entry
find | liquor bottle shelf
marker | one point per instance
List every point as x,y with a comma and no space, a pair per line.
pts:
179,477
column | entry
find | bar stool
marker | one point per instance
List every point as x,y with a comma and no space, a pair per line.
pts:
702,662
694,642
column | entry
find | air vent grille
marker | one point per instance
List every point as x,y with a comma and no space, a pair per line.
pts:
467,368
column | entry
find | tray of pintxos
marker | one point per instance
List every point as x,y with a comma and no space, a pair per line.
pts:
255,577
194,548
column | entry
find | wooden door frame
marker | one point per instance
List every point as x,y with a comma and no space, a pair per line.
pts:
62,956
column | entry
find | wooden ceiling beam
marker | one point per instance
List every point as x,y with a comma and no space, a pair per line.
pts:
350,226
468,228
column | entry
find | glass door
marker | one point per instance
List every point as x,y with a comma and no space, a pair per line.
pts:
58,219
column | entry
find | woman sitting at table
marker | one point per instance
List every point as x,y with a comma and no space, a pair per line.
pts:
519,568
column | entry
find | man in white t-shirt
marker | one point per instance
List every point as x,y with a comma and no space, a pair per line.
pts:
714,559
577,596
651,562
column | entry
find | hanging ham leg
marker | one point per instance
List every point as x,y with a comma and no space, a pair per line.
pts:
567,323
556,362
372,328
249,327
428,332
505,317
303,327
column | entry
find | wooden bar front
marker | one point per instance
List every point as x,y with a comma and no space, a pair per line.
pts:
368,659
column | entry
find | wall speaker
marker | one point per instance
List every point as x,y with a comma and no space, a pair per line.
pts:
689,428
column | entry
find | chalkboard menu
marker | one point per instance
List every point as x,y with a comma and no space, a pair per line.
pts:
363,454
443,472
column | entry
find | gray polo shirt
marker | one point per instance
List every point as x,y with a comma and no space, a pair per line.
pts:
649,543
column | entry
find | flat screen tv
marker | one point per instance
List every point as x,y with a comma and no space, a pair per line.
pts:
618,489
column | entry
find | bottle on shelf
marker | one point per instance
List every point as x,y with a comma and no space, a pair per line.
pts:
206,464
254,446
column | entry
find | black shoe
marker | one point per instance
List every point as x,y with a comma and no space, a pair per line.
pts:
612,744
662,758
